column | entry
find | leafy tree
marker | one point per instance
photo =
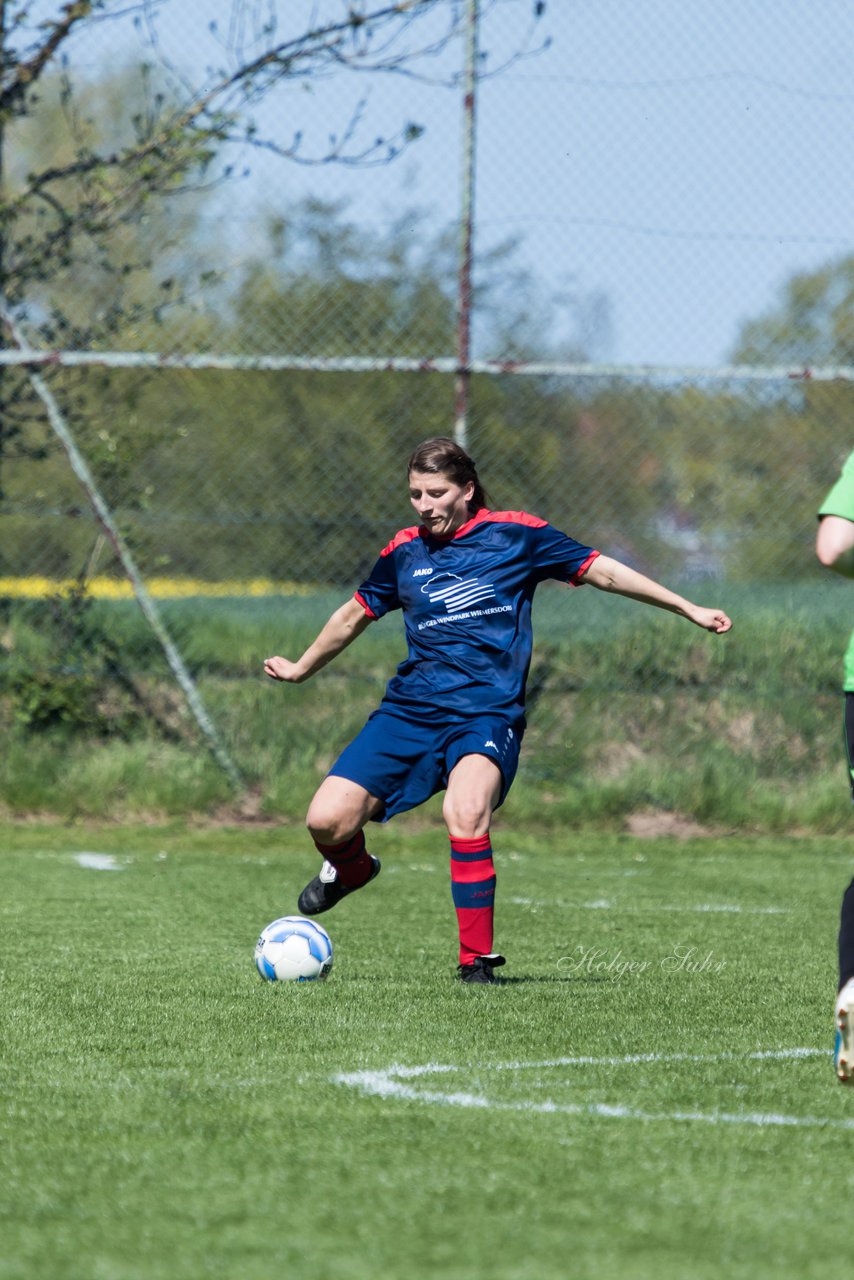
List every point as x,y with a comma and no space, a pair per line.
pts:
99,183
809,432
299,473
813,324
109,171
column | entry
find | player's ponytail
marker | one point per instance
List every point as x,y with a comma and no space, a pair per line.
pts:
443,456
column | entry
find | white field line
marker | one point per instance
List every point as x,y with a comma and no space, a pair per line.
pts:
606,904
392,1083
97,861
728,907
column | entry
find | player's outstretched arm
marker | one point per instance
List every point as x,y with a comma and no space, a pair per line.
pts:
834,544
342,628
612,575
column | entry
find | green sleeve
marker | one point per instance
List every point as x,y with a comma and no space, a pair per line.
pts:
848,668
840,500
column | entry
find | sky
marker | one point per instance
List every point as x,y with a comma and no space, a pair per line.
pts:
666,167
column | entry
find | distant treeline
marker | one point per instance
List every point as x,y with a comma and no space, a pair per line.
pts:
301,476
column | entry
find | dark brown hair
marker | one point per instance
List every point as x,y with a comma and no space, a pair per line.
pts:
443,456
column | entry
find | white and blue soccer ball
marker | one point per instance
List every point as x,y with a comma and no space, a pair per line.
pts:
293,949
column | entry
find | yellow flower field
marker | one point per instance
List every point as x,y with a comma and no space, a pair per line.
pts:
36,587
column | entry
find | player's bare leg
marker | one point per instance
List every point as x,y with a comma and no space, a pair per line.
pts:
335,818
339,809
474,788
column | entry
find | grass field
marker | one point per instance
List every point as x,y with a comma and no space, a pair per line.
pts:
650,1094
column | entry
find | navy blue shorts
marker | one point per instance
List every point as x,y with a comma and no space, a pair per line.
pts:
403,763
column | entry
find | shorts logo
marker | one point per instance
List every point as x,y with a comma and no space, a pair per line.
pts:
421,573
457,593
490,743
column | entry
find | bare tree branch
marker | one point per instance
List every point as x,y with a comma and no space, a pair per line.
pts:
28,72
110,185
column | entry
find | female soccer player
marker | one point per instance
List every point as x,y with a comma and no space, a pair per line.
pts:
834,547
453,716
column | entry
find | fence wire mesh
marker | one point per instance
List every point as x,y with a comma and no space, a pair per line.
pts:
300,477
661,170
634,205
285,486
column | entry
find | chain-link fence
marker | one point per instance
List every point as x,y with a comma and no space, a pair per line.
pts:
265,350
299,477
285,486
663,170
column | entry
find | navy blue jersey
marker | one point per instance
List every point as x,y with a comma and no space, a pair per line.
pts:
466,603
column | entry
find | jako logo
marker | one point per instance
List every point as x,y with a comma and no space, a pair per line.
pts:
457,593
421,573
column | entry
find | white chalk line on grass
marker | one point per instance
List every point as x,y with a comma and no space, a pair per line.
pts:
729,908
392,1083
97,861
606,904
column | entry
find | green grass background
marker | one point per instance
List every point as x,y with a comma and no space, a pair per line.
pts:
631,710
165,1115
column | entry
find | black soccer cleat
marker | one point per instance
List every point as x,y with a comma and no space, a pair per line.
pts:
480,970
326,890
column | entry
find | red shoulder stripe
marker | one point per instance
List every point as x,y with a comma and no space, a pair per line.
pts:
485,516
515,517
402,536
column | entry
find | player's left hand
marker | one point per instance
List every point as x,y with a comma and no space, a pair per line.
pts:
712,620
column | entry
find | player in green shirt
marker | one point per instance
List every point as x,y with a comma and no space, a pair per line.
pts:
835,549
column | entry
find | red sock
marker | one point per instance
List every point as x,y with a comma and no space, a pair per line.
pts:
350,859
473,889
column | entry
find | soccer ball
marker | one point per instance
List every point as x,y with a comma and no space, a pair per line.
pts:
293,949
